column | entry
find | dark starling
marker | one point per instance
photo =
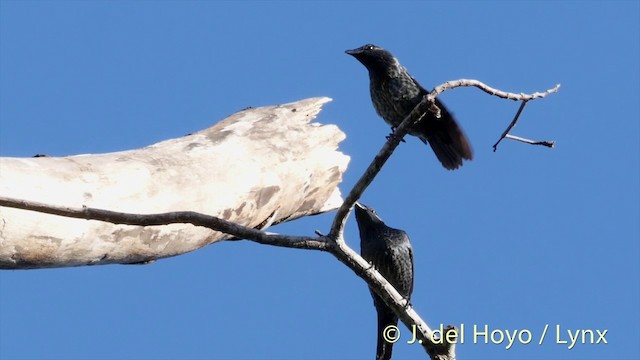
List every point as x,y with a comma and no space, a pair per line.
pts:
389,251
395,93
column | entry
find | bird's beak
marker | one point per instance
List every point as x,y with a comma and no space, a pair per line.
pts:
354,52
360,210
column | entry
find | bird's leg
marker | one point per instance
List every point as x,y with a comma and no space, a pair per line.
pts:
393,132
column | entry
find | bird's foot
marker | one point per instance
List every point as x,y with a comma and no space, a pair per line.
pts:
393,133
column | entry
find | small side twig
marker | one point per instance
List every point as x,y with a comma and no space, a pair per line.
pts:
505,133
512,124
549,144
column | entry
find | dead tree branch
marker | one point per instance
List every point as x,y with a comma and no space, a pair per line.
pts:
442,347
257,167
491,91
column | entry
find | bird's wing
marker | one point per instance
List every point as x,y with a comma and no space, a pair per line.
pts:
404,280
410,290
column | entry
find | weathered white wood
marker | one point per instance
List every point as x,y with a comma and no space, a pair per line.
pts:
256,164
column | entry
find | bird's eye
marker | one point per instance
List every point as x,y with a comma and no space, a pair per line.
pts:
369,47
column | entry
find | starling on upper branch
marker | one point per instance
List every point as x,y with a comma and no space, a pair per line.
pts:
395,93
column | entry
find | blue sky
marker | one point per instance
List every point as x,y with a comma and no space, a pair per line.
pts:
514,240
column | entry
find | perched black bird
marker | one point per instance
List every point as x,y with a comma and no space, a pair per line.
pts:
389,251
395,93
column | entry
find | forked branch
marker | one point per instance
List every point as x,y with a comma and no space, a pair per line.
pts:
338,249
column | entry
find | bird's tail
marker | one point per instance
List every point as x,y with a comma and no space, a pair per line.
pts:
446,138
386,318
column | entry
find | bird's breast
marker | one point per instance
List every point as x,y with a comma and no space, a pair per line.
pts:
393,99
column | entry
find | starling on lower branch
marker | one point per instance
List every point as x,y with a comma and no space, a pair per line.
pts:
389,251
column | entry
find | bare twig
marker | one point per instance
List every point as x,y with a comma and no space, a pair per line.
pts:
491,91
549,144
511,125
183,217
506,135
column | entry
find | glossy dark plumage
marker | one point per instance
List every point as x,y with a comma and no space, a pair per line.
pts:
395,93
389,251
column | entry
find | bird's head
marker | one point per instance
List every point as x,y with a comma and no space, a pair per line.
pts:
374,58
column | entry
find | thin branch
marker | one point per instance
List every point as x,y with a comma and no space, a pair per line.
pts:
506,135
549,144
491,91
182,217
513,123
